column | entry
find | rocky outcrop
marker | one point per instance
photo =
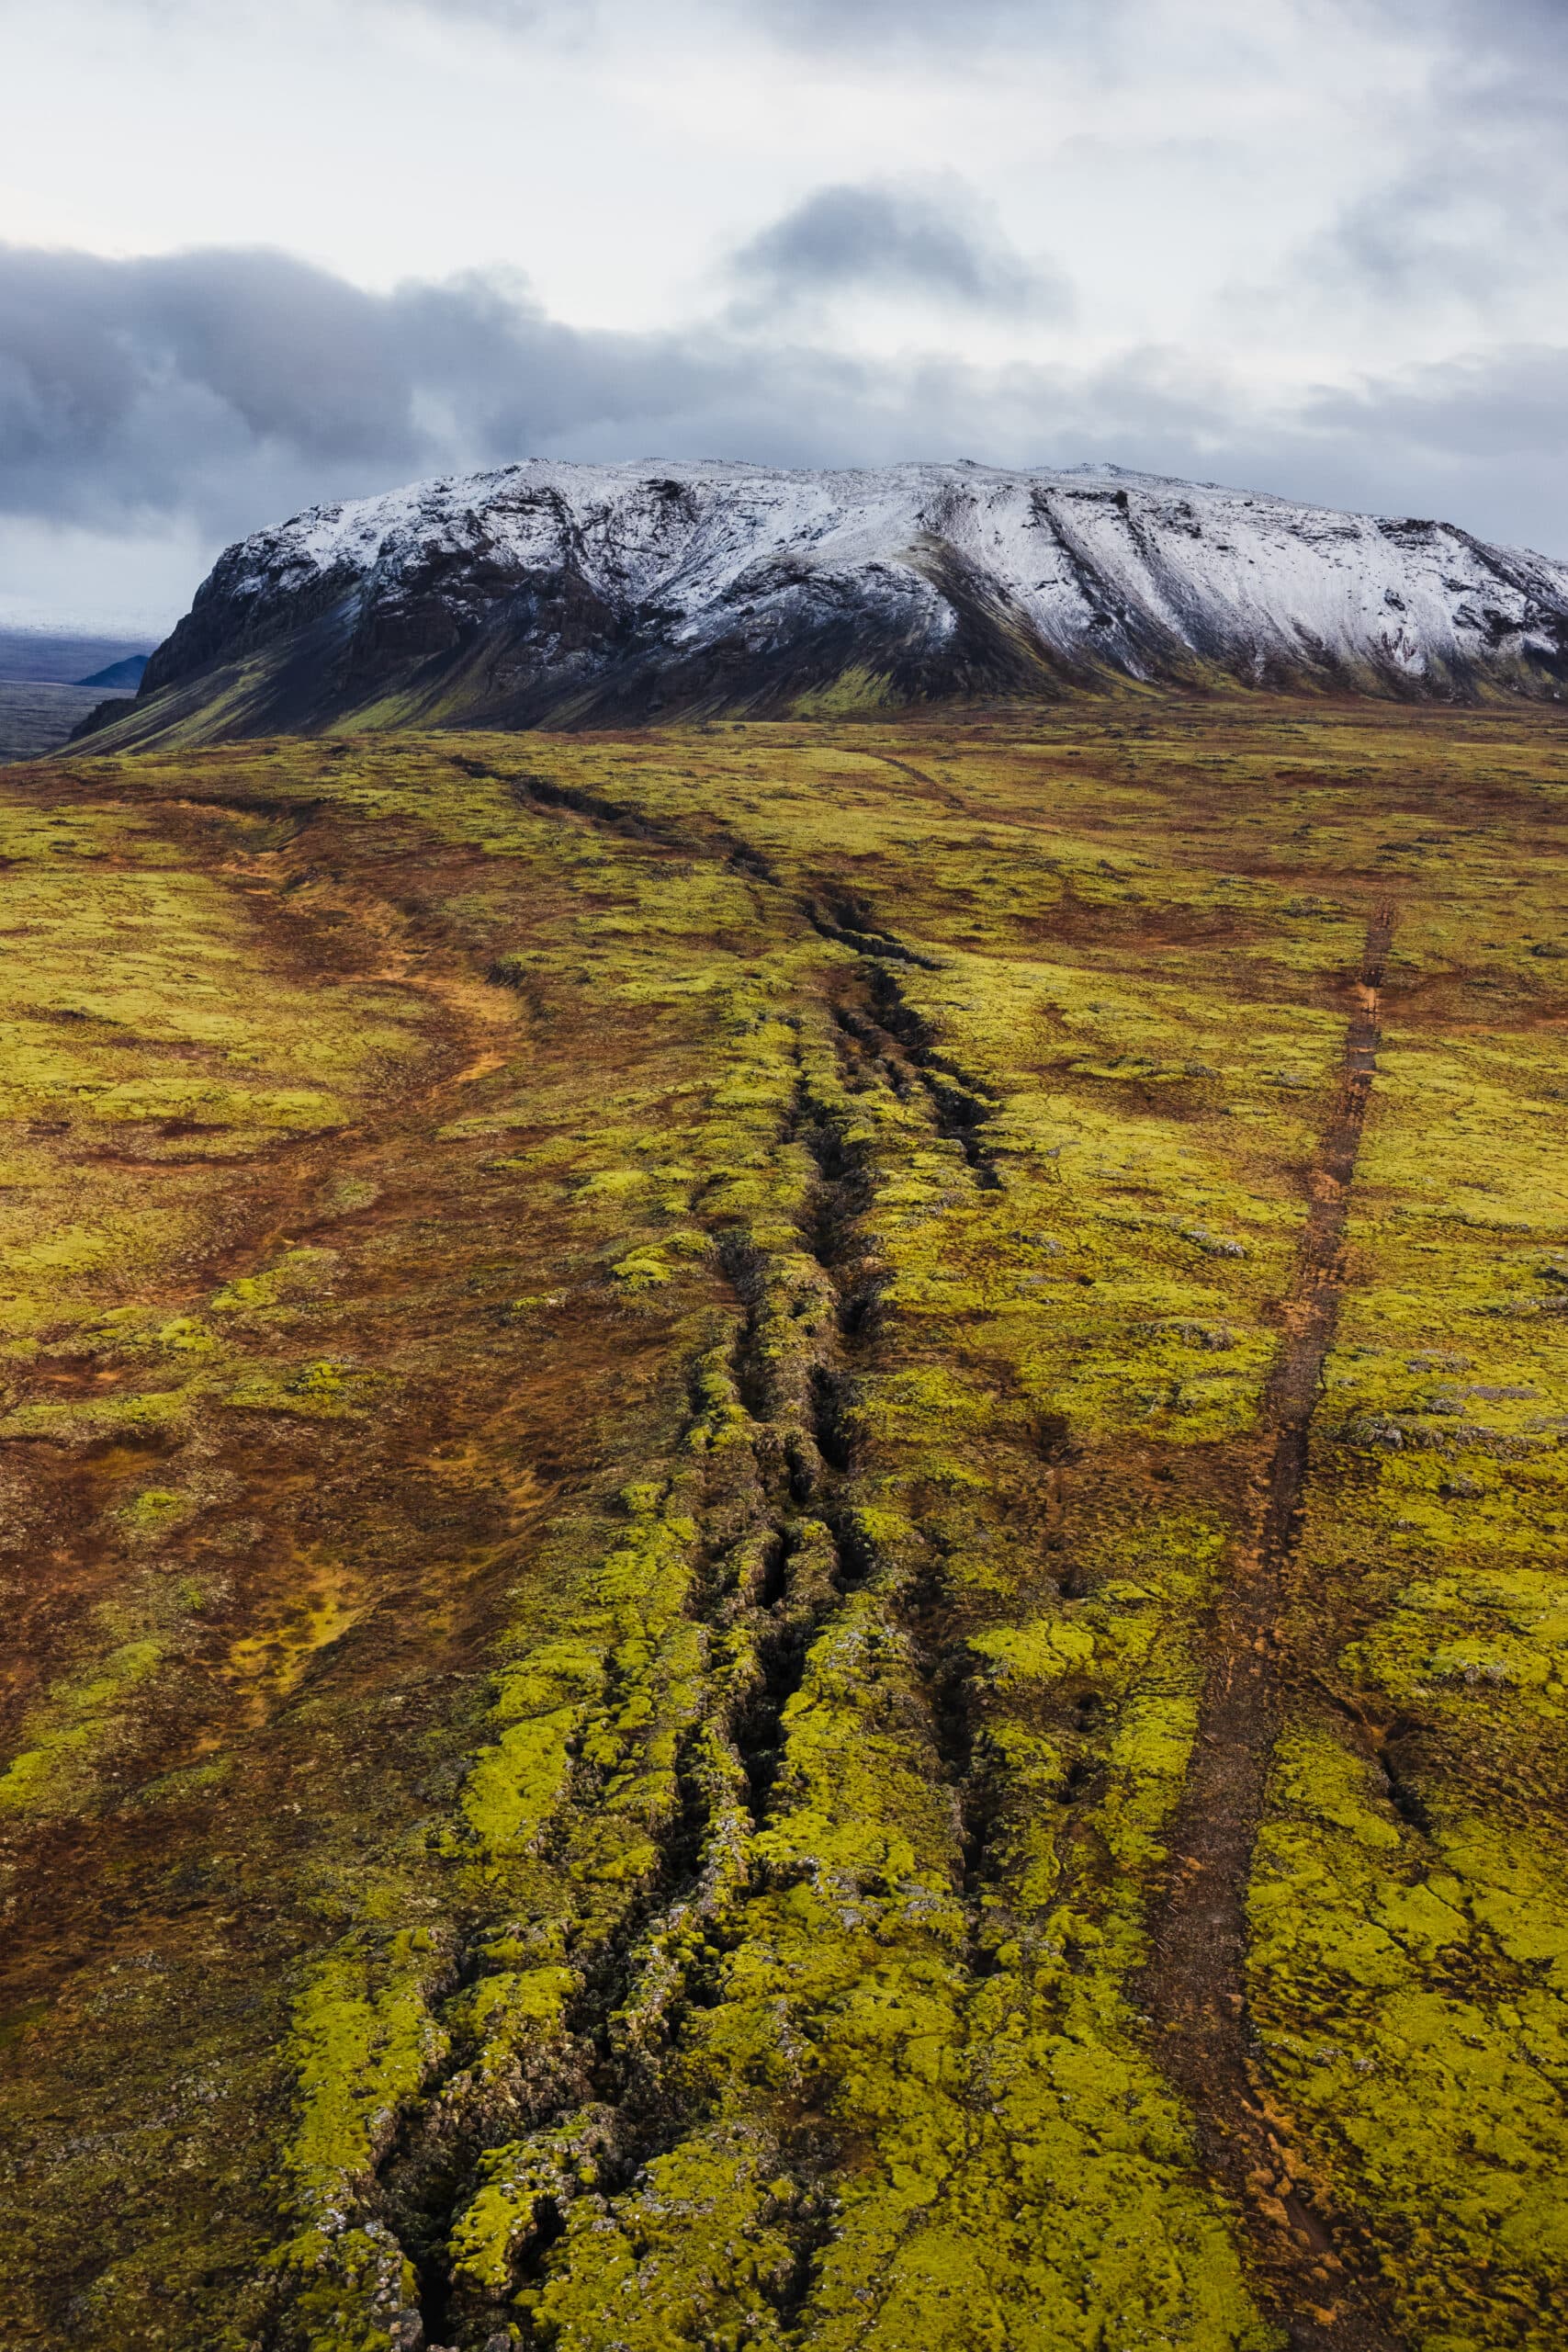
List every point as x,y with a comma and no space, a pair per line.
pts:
573,594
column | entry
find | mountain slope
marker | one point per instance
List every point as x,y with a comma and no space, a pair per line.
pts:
576,595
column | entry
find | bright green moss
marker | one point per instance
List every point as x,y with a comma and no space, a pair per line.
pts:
55,1772
155,1511
322,1389
297,1275
1408,1919
1426,2027
363,2039
92,1420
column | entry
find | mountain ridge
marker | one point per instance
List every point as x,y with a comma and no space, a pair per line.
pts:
127,673
569,594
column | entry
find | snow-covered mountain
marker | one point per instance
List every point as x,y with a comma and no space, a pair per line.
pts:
576,593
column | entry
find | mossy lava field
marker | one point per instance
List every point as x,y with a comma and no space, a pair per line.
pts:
783,1513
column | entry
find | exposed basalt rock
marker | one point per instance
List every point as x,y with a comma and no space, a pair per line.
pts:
573,594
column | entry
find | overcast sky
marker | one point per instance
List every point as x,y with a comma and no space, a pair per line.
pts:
258,256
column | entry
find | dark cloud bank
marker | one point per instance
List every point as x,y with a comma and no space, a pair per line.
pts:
225,389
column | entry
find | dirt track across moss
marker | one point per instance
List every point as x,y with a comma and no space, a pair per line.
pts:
652,1385
1197,1980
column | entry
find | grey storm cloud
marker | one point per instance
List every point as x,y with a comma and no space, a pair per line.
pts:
866,20
906,22
882,30
221,387
220,391
898,239
1519,35
201,382
1454,223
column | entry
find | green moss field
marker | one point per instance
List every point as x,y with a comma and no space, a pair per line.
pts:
784,1524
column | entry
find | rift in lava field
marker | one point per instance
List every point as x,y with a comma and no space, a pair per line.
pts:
784,1518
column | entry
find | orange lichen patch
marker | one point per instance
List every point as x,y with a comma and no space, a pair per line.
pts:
266,1666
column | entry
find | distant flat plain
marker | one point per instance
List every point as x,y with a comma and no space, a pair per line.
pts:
37,718
40,698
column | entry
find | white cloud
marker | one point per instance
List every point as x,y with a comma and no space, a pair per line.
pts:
1316,243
